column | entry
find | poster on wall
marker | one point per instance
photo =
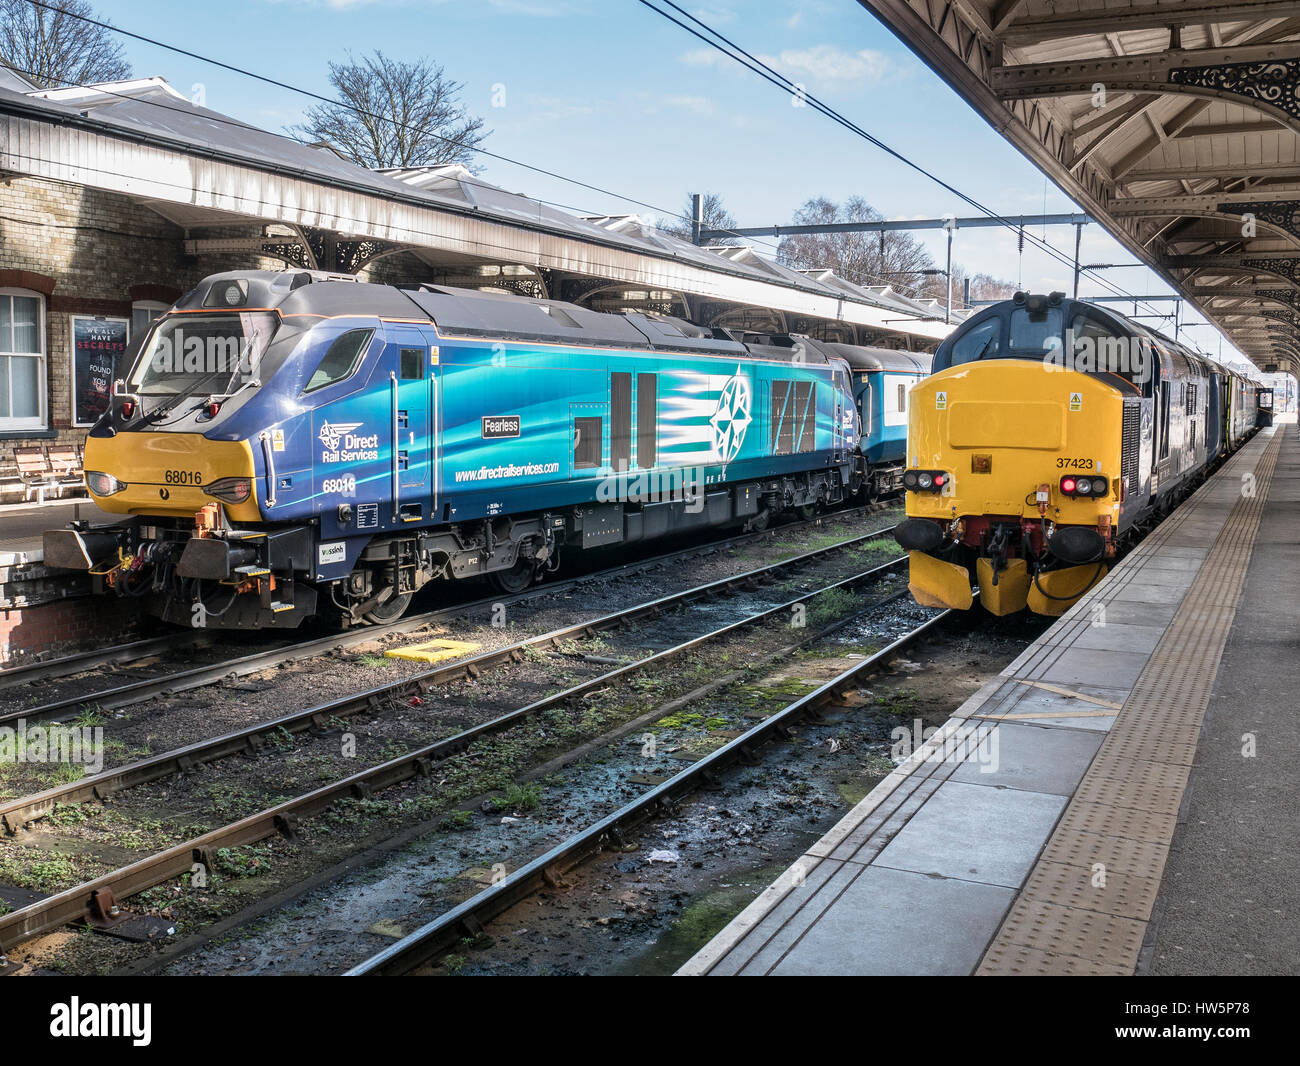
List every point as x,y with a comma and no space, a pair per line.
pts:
98,345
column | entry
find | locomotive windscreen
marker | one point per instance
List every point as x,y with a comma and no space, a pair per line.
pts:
202,354
1036,333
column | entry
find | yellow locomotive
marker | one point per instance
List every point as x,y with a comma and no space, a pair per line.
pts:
1050,433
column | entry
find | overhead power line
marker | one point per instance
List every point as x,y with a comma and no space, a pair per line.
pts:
723,44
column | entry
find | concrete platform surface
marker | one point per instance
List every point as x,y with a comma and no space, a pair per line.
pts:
21,525
1038,829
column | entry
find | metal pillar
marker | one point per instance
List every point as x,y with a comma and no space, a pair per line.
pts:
1078,237
950,227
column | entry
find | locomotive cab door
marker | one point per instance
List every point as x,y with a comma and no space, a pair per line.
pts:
412,415
841,386
1214,415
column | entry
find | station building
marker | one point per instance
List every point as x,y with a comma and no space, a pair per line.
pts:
116,199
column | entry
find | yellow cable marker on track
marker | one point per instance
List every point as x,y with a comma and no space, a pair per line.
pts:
433,651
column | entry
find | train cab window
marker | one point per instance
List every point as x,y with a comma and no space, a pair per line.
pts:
412,362
1095,347
1036,333
980,343
341,360
586,442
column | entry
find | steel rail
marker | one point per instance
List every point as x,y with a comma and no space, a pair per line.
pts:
468,918
49,669
20,811
71,904
199,676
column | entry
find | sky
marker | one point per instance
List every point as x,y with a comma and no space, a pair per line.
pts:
613,95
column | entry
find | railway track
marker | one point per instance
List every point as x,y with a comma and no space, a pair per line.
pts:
467,920
133,692
89,898
16,814
111,655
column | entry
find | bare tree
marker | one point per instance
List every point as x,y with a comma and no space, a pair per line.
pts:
54,46
892,258
393,113
987,287
716,216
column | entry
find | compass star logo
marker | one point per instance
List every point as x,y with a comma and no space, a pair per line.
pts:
732,417
330,435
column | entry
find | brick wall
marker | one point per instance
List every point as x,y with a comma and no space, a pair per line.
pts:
54,629
98,249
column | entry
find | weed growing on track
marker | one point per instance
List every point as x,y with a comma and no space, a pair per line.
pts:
519,798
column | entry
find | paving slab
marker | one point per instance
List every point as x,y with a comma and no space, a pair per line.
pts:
892,922
1033,758
975,833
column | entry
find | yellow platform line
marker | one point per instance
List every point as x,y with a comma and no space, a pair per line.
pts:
432,651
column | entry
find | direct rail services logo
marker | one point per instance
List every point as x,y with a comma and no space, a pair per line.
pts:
112,1020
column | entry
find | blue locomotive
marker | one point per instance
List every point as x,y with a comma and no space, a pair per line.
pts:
882,381
288,442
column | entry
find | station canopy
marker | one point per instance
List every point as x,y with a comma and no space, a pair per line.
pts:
210,174
1174,123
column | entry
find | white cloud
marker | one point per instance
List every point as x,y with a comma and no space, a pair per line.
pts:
698,105
714,16
705,57
535,8
555,108
826,63
821,64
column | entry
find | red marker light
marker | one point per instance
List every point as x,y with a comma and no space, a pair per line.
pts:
939,479
1067,484
213,408
128,408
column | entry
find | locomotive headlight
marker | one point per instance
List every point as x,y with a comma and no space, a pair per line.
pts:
230,489
1083,487
925,480
103,484
232,293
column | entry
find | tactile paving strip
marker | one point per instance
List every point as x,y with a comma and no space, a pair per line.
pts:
1066,919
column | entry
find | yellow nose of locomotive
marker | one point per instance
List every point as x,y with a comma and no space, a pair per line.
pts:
1002,430
1011,443
170,474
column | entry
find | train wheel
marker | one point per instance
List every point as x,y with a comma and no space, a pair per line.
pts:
516,579
391,610
808,512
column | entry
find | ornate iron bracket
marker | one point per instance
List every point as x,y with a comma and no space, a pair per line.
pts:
1271,82
1285,214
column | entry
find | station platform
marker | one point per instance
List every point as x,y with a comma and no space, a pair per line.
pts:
1121,799
22,525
